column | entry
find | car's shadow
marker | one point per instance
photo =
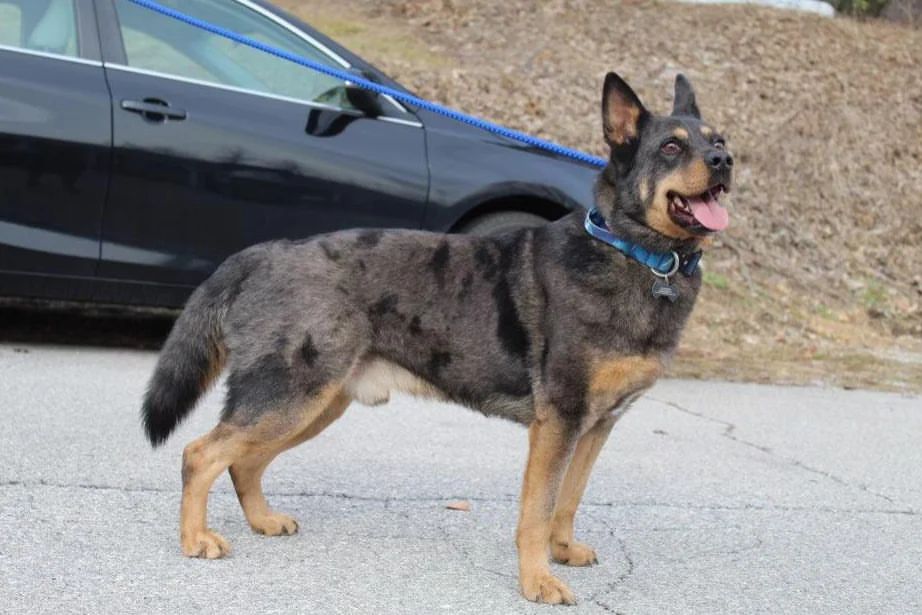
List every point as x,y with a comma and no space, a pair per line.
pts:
42,326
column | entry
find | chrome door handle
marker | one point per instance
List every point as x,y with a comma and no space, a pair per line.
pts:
154,109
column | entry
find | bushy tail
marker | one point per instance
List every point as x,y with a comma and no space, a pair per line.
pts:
193,356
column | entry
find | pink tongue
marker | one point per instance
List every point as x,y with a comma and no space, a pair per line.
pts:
709,212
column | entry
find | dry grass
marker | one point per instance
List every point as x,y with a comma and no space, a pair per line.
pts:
818,278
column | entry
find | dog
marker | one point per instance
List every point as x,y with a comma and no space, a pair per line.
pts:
559,328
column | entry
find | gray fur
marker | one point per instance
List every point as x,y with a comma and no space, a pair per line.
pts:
488,325
548,327
500,324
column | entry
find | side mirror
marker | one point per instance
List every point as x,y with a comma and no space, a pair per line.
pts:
366,101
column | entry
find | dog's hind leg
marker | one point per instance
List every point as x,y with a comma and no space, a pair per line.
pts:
563,548
247,473
203,460
250,447
551,445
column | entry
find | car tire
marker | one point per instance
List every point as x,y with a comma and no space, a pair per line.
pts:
501,222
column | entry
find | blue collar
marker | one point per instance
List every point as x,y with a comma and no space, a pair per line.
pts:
661,263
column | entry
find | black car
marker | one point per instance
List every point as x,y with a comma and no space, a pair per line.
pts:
137,152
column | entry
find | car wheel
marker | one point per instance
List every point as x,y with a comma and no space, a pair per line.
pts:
501,222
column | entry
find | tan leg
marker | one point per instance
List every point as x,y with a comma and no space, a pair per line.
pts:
247,478
550,449
564,549
247,473
203,460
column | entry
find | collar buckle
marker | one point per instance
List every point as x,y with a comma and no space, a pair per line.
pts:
690,263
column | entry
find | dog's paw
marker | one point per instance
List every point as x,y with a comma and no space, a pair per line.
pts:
275,524
207,544
573,554
544,587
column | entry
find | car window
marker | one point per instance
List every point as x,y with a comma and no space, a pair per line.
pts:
159,43
39,25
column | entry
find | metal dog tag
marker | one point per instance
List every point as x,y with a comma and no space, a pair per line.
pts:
661,288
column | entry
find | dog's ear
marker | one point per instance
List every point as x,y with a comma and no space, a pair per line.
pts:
684,103
623,115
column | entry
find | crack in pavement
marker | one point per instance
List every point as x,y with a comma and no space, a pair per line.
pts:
621,578
754,507
596,597
279,494
730,428
466,554
502,499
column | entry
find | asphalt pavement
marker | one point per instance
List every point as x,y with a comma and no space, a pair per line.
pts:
709,498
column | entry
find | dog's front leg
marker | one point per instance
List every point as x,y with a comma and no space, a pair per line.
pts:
564,549
551,445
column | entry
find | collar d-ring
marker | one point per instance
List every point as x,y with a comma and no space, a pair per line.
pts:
676,262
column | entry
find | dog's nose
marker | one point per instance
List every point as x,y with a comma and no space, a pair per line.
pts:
718,158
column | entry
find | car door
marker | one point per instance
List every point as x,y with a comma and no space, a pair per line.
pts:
55,138
218,146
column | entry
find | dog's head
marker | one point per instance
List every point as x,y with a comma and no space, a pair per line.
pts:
666,173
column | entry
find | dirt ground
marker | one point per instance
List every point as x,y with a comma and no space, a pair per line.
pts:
818,278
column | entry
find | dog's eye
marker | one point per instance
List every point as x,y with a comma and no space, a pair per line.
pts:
670,148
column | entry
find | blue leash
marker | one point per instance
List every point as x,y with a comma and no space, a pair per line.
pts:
375,87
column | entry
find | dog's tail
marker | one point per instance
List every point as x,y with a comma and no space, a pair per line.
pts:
194,353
